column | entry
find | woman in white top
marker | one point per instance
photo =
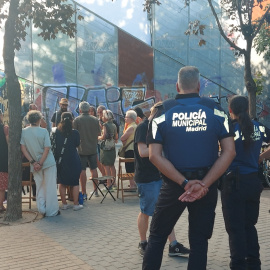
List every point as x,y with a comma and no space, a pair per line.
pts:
36,147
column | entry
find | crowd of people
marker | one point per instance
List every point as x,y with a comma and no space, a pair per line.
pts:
169,177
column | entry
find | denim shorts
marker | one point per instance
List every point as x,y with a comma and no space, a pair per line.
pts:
148,194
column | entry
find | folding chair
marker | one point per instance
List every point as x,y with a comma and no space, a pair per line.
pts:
102,180
27,182
123,177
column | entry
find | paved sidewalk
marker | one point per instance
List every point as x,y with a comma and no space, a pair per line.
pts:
105,236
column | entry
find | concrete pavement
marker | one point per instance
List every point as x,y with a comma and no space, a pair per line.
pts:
105,236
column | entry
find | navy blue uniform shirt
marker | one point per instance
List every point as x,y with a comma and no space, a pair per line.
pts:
247,159
189,128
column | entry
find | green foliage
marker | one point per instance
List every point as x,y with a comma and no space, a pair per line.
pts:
50,16
262,42
148,5
259,79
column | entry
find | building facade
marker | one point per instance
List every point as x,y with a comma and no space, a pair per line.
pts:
105,64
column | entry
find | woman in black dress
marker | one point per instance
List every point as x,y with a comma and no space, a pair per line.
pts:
67,160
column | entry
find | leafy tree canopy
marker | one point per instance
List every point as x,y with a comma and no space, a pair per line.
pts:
240,22
262,42
50,16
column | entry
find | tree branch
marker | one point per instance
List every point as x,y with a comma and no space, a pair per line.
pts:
239,11
251,5
242,51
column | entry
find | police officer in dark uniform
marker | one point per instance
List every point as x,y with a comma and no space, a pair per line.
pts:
241,188
183,144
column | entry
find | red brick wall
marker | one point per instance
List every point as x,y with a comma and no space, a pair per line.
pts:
135,62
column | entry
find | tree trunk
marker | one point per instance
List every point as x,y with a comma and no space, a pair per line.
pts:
249,82
14,201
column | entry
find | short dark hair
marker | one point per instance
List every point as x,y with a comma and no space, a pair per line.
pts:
93,109
31,106
139,112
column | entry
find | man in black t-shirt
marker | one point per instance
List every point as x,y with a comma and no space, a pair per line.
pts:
148,180
56,118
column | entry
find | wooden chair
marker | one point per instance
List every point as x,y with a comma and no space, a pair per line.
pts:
123,177
28,183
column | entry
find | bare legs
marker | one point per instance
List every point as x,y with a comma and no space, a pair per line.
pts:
113,174
132,184
110,171
142,225
83,181
142,221
62,191
94,175
75,190
101,168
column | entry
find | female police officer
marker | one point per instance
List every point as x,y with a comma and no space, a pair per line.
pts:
241,189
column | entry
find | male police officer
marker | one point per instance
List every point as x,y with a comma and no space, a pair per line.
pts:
187,129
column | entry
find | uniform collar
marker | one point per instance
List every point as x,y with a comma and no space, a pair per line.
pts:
192,95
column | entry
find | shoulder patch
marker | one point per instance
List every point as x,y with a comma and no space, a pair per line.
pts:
223,115
155,123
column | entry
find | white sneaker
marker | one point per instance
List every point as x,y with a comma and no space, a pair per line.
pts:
66,206
77,207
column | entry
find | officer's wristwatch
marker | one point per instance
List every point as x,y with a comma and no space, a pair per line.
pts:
184,183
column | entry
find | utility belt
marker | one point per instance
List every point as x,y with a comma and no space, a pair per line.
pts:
231,179
198,174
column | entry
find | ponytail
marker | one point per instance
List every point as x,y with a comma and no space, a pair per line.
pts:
65,126
246,127
239,106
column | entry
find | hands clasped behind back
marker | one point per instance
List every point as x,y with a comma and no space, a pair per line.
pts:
194,190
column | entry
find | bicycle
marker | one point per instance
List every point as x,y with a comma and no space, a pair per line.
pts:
264,170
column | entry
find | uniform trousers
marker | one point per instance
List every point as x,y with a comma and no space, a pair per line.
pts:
167,212
46,197
240,205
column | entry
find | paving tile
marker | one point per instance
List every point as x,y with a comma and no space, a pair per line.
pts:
105,237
